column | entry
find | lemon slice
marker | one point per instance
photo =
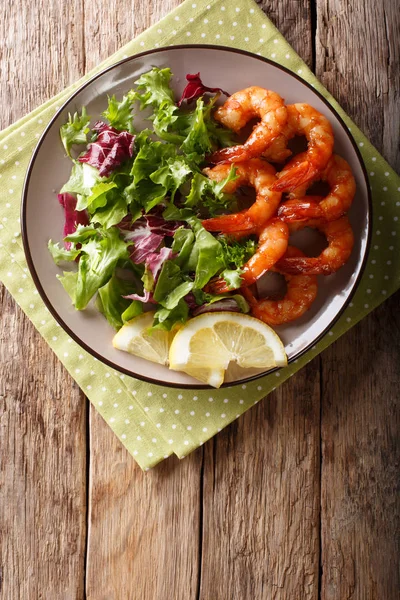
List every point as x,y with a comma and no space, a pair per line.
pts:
209,346
134,337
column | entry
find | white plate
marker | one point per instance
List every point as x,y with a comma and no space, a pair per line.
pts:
42,216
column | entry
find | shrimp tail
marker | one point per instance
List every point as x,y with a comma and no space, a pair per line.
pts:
229,155
293,177
304,266
301,209
217,286
237,222
249,296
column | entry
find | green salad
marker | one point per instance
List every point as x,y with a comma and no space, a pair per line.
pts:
134,205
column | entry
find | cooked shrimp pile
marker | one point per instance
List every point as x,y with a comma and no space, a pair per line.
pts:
282,205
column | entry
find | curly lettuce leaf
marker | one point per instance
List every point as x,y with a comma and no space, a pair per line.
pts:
157,171
210,255
172,174
209,193
232,278
220,136
196,132
153,88
143,192
166,319
119,113
202,133
110,300
173,213
82,179
165,119
197,140
148,159
69,281
113,212
97,197
62,254
182,246
169,278
237,252
75,130
134,309
99,258
82,234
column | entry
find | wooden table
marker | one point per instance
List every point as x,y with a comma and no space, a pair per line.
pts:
295,500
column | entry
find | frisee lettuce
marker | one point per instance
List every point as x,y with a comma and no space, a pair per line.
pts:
237,252
209,193
75,130
62,254
119,113
153,88
100,252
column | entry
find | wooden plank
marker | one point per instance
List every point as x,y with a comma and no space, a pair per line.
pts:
43,413
261,474
293,18
261,499
357,59
143,528
360,510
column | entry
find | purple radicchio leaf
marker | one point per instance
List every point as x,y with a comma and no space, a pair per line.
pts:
228,305
147,297
191,301
147,235
110,149
196,88
155,260
73,217
145,242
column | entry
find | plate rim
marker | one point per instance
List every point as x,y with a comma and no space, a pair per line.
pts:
35,276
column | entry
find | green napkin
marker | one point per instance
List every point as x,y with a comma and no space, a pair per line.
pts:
151,421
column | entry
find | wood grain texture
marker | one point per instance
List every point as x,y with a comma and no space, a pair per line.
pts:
261,499
143,527
42,467
42,411
357,59
360,373
360,461
293,18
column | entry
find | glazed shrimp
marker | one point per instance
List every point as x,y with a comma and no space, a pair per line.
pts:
342,185
301,293
340,244
239,109
259,174
272,245
303,119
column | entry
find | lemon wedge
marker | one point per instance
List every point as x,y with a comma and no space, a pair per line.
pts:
211,345
134,337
